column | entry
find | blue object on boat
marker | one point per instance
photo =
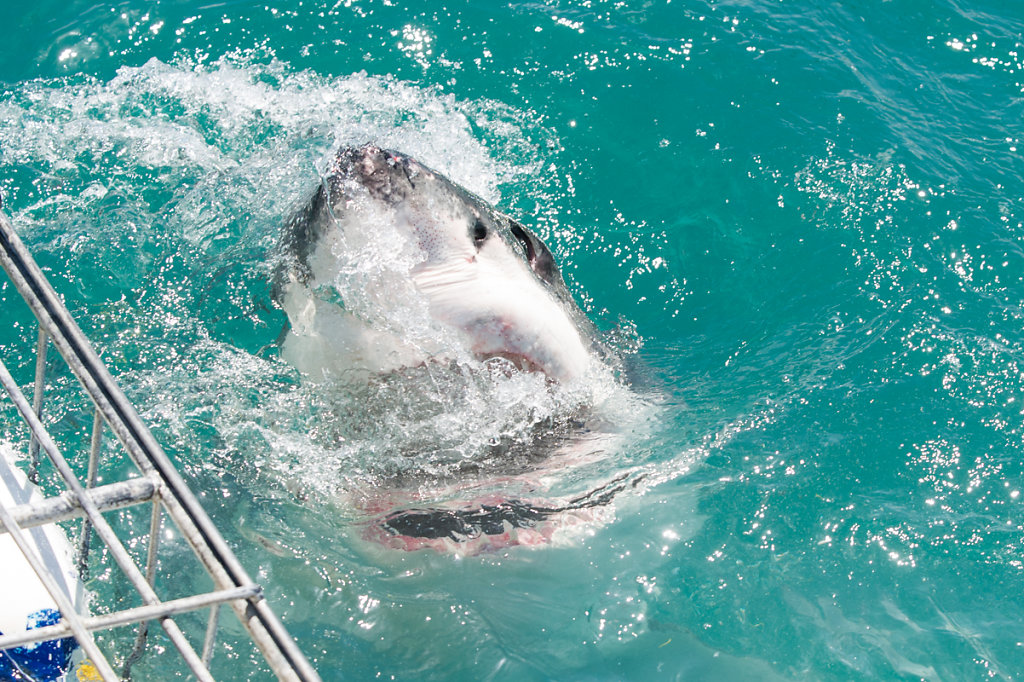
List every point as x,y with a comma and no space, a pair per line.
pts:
46,661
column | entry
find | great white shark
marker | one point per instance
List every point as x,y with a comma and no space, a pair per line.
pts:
478,273
388,265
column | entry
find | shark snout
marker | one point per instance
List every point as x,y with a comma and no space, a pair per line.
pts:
385,174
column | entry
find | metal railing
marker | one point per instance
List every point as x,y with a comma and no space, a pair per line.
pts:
158,485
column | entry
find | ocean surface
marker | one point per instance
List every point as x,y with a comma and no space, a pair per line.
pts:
800,223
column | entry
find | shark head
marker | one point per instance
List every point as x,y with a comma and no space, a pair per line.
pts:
479,274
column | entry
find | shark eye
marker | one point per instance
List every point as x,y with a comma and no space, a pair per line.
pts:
479,233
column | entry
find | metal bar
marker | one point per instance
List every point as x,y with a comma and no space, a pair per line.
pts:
90,482
103,529
37,403
94,449
67,609
65,506
151,555
130,616
211,634
256,616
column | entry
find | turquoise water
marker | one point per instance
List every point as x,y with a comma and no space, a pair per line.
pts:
809,212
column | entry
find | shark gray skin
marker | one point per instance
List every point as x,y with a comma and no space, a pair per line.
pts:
481,273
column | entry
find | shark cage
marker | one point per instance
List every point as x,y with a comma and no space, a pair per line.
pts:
47,622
